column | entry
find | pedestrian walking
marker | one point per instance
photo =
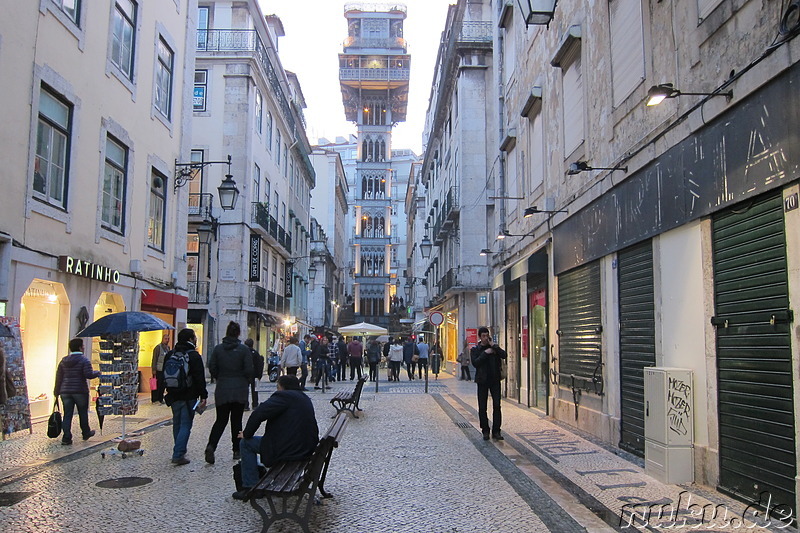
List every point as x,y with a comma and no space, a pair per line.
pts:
231,364
258,371
71,386
486,358
292,357
159,354
395,359
423,350
291,433
183,399
436,359
373,358
409,351
322,358
305,350
464,360
355,351
341,359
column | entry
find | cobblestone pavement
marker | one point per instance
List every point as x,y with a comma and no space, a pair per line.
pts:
410,462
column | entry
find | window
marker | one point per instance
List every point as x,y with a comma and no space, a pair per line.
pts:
200,88
122,32
267,186
192,253
164,67
269,130
285,160
536,151
274,274
52,146
573,100
705,7
256,182
278,146
114,185
71,7
627,47
155,219
202,27
259,111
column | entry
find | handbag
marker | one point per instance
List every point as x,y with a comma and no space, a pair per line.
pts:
153,383
415,358
54,423
503,369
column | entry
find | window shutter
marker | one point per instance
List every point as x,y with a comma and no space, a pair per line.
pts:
705,7
573,101
536,153
627,47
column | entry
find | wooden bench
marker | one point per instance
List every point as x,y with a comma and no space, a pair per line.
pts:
348,401
298,480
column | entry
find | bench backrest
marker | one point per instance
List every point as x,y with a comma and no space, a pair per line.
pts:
330,440
359,387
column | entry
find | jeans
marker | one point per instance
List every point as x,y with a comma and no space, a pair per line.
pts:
411,367
465,373
182,418
291,370
483,398
303,375
355,365
423,363
341,369
254,393
394,370
322,365
373,371
250,449
234,411
71,401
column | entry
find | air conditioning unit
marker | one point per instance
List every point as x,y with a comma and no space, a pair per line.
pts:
669,424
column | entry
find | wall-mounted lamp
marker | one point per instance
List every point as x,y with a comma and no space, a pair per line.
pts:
537,12
658,93
228,192
532,210
486,252
312,270
582,166
425,247
207,231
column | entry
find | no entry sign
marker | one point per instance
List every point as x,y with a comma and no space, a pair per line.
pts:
436,318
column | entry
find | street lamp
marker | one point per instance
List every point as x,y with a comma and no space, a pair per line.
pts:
425,247
532,210
537,12
659,93
228,192
312,273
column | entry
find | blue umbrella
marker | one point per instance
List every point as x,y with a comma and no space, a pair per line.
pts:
122,322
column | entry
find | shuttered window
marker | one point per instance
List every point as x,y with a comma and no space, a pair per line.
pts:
536,151
627,47
573,100
705,7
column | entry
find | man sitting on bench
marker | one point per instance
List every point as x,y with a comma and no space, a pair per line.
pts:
291,433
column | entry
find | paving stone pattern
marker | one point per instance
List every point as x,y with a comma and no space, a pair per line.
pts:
411,462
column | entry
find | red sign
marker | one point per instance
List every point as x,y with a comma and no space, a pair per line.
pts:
436,318
472,336
524,336
538,298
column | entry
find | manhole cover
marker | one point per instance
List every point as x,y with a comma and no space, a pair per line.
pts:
7,499
123,482
464,425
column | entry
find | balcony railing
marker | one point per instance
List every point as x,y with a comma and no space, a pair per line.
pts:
366,42
374,6
475,32
247,41
198,292
374,74
258,297
200,204
261,215
448,281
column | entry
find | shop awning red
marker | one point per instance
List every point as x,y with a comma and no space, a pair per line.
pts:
163,299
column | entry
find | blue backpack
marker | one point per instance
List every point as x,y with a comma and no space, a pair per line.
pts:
176,371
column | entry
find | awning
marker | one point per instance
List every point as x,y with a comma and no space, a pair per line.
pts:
163,299
535,263
269,319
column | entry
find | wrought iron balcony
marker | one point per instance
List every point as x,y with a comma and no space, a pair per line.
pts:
374,74
258,297
475,32
392,43
200,205
448,281
198,292
261,215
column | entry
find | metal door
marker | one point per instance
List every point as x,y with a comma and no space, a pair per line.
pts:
754,361
580,329
637,339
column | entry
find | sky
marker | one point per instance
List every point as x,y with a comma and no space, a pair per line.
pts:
315,30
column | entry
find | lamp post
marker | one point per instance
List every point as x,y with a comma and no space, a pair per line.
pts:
537,12
228,192
425,247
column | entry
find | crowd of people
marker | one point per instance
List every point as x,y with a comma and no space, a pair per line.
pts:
291,431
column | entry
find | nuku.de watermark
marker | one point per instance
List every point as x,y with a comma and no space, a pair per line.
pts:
687,515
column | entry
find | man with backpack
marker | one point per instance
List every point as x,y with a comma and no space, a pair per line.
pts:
185,381
258,371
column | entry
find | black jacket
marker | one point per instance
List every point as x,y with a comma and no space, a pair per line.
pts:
291,433
72,373
231,364
197,373
487,366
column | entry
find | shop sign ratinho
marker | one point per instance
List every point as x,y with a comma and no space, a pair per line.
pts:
87,269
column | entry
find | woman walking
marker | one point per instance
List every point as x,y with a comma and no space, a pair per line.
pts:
395,359
464,359
373,358
71,376
231,364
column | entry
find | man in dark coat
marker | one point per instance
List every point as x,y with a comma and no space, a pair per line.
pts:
486,358
291,433
258,371
182,401
409,349
71,376
231,364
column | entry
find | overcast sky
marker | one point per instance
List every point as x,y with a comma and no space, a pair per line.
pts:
315,30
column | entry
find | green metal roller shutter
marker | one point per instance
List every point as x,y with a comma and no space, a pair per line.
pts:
637,339
580,328
754,361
